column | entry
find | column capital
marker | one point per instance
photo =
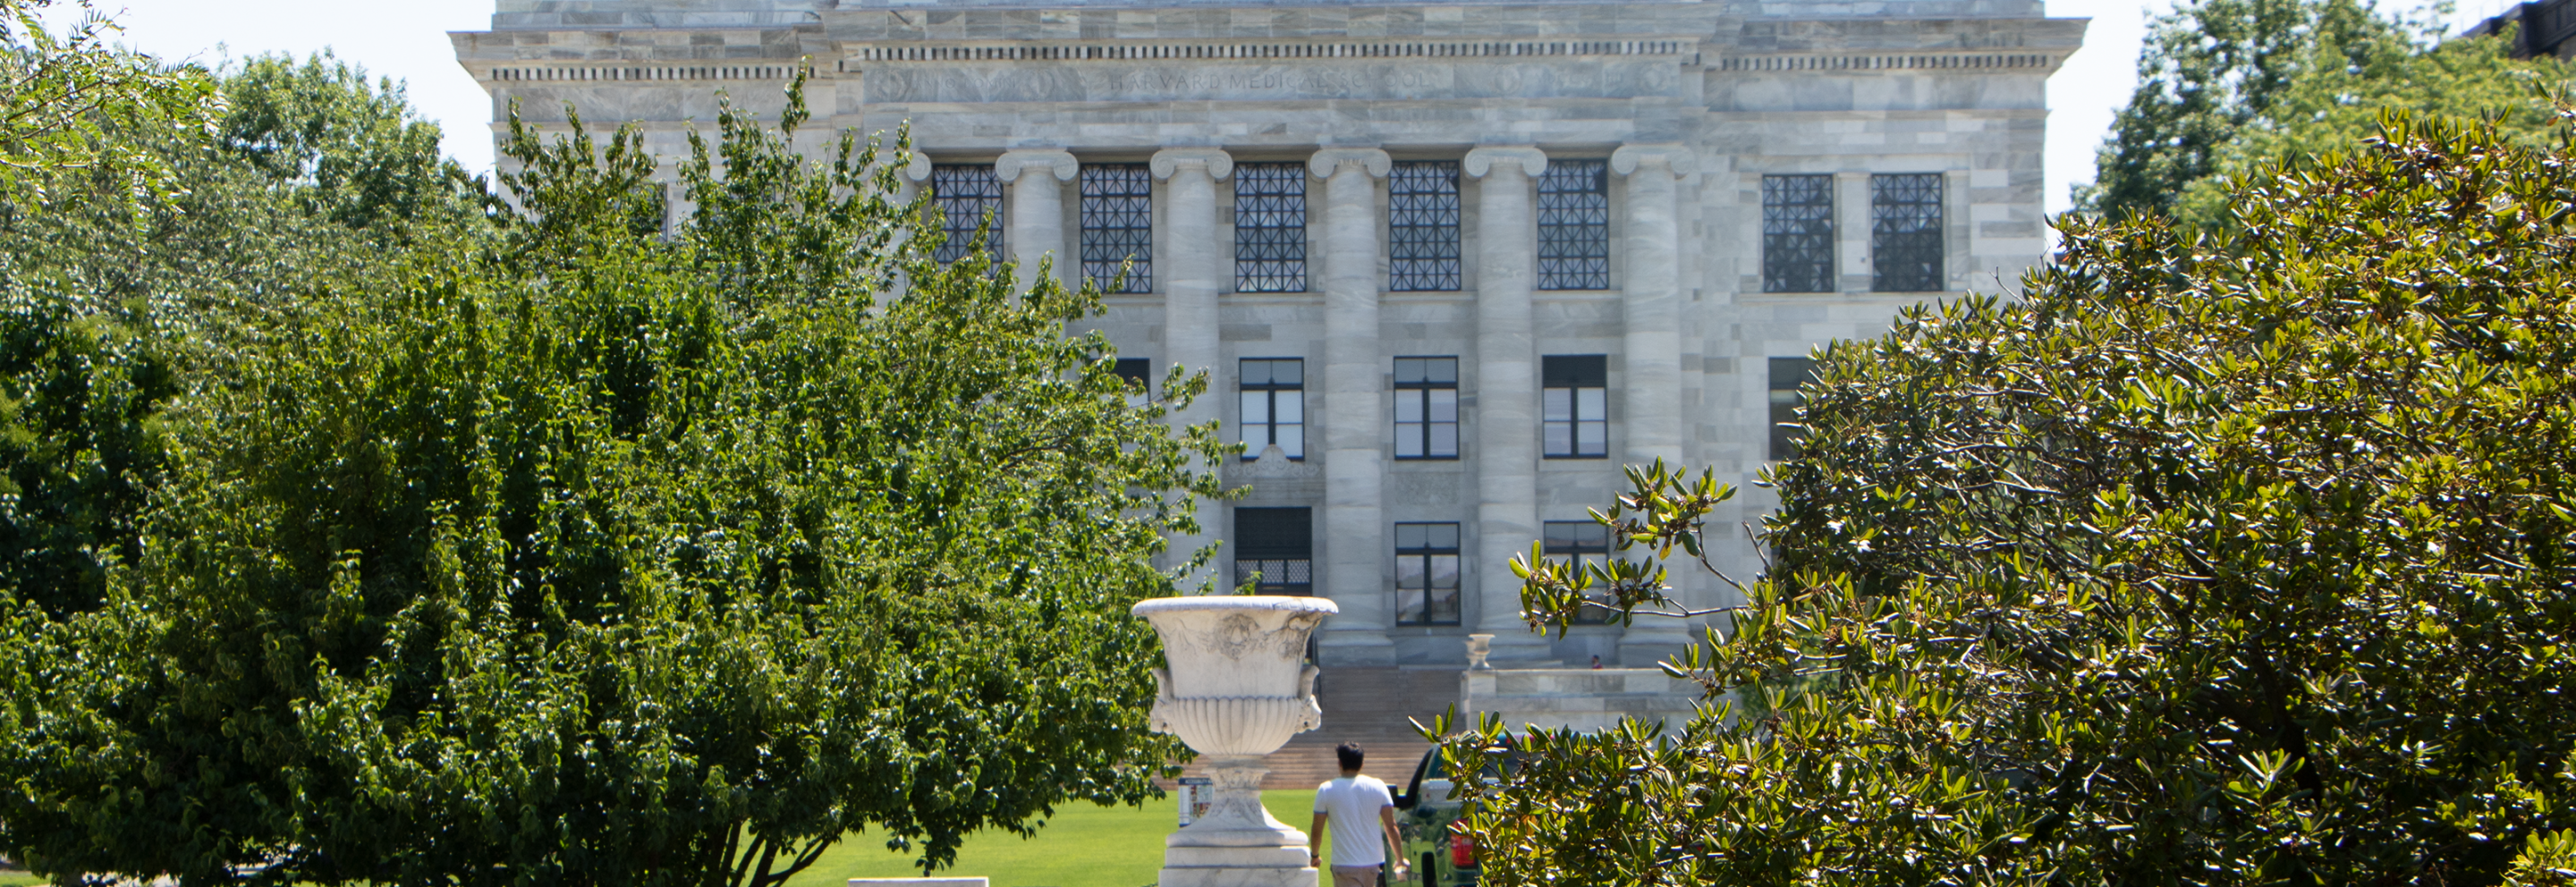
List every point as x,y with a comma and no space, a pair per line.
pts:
1679,161
1330,160
1057,160
916,166
1169,160
1482,158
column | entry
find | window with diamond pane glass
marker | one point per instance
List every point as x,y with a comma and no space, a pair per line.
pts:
1118,226
1426,574
966,196
1422,226
1905,232
1270,228
1797,234
1574,225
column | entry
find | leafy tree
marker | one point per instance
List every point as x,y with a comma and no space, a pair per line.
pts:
2211,68
2240,559
605,556
71,102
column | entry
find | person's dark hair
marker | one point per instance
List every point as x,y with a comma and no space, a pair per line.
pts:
1350,754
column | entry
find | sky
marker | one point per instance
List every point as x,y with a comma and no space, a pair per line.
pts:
407,40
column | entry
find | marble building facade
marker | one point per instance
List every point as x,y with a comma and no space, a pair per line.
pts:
1451,264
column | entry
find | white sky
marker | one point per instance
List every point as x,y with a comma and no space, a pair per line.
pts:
407,40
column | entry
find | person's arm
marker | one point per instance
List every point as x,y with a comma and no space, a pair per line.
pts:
1315,841
1394,848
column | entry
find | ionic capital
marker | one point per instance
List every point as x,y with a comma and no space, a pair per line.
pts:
1675,160
1330,160
1061,162
1169,160
916,166
1481,160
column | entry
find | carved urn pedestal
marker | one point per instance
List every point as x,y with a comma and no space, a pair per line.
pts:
1237,687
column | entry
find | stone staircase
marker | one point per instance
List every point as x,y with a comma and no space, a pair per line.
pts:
1369,706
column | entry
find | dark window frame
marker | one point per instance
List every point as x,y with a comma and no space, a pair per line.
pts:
966,195
1787,373
1433,546
1798,234
1574,225
1906,249
1117,218
1279,544
1422,214
1576,388
1270,394
1270,227
1432,391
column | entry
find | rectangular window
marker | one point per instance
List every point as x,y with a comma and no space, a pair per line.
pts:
1118,227
1905,233
1798,234
1274,406
1575,405
1426,574
1270,228
1579,542
1278,546
1426,408
1787,373
966,196
1574,225
1137,371
1422,226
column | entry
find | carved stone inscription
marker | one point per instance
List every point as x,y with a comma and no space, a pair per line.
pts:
1253,81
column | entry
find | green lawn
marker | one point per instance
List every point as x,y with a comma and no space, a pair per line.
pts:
18,878
1084,846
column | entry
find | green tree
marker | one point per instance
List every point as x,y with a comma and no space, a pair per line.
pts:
2243,558
601,556
2209,69
71,102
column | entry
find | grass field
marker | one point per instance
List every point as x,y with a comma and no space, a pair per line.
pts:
1084,846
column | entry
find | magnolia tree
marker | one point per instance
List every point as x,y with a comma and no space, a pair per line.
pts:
2212,561
593,554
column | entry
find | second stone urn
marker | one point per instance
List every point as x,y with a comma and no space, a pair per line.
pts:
1237,687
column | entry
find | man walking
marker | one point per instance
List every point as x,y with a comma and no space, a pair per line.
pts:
1362,816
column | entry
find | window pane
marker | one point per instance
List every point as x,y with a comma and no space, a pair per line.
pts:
1444,439
1410,535
1408,369
1408,405
1797,234
1408,441
1444,535
1255,372
1443,406
1574,225
1292,440
965,197
1443,609
1409,571
1558,403
1905,232
1118,226
1560,439
1591,438
1422,226
1256,407
1270,227
1288,406
1291,373
1591,403
1444,571
1408,607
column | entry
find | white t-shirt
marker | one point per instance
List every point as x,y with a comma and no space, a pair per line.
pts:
1350,806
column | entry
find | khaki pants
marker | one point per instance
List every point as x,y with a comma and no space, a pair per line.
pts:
1355,876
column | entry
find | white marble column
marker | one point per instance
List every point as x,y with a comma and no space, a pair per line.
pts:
1652,311
1355,416
1190,260
1506,389
1036,178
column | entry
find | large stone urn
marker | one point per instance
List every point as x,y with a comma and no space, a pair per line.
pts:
1237,687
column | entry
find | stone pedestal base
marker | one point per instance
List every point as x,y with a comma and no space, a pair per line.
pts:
1229,877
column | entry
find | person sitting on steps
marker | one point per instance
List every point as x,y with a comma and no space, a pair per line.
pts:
1362,815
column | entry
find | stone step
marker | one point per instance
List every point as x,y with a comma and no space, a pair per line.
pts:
1374,707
